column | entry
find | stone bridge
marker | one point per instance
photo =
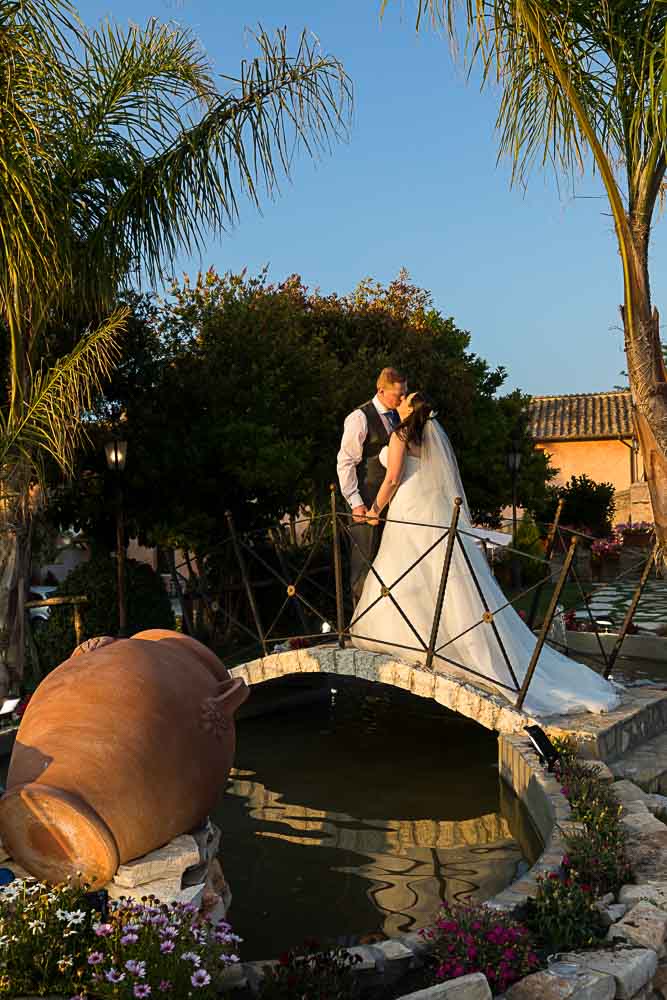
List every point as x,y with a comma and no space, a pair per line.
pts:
448,687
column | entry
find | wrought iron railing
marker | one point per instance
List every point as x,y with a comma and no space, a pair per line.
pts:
319,604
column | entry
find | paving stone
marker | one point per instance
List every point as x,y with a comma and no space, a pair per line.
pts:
546,985
472,987
166,862
655,892
632,968
645,925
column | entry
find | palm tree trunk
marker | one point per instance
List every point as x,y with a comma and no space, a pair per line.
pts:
15,559
648,381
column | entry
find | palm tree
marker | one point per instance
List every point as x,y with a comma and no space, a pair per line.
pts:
578,77
117,150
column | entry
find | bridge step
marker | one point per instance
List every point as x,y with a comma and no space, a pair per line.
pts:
641,717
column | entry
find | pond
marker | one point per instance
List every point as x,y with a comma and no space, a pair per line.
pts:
356,815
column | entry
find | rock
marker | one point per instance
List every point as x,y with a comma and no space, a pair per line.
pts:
655,892
627,791
584,985
191,896
645,925
657,803
232,978
660,980
164,889
642,823
648,856
607,899
215,879
207,838
472,987
610,914
632,968
166,862
602,772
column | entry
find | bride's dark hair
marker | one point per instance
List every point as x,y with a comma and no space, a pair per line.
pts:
411,430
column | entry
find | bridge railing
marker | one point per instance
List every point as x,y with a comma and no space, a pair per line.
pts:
311,601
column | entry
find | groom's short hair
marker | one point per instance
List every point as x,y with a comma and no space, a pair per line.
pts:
389,377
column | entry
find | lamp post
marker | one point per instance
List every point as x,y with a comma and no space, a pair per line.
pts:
116,453
513,464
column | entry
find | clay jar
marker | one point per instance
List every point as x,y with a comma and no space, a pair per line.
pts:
123,747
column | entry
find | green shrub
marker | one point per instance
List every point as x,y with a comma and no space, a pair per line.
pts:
148,606
587,505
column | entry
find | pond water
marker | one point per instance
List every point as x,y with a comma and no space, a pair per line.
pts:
356,815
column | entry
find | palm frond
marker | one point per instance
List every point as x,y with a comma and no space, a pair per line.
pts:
51,420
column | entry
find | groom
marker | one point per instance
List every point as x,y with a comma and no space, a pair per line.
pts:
360,473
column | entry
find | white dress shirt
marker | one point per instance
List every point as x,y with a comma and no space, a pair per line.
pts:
355,430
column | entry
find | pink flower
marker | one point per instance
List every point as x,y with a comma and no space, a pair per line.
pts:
103,930
167,947
95,958
142,990
113,976
129,939
200,978
165,985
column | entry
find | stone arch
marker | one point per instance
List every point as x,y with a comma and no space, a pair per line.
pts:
448,689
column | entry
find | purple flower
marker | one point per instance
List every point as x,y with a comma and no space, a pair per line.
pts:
113,976
103,930
167,947
165,985
136,968
191,956
95,958
169,932
200,978
129,939
142,990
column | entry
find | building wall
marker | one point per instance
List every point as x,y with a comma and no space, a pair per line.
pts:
604,462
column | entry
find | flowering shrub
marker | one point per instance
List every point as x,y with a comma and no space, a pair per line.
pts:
562,913
311,973
477,939
158,949
45,934
607,548
140,950
636,528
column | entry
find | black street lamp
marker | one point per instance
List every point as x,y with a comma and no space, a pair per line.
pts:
513,464
116,453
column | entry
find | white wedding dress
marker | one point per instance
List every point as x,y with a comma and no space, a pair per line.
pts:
465,642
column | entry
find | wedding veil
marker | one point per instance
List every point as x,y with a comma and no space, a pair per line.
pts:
439,468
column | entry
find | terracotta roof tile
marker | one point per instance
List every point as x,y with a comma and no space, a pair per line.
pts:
581,417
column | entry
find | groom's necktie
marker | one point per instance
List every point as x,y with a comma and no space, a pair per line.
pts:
393,418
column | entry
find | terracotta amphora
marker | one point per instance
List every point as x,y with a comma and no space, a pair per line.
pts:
121,748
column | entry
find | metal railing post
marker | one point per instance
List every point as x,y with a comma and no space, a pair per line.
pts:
451,538
629,614
338,569
547,622
551,541
246,580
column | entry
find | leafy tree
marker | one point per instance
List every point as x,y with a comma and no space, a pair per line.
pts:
117,148
235,393
581,77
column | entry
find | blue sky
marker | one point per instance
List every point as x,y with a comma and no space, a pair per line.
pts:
534,276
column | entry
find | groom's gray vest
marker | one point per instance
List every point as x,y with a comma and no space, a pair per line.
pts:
370,471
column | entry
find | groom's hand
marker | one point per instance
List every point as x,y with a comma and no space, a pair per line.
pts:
359,513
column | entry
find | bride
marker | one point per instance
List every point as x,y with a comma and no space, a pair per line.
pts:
421,482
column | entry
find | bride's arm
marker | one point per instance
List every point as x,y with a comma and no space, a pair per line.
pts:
392,479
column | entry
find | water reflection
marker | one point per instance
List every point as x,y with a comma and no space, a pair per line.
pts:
360,818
